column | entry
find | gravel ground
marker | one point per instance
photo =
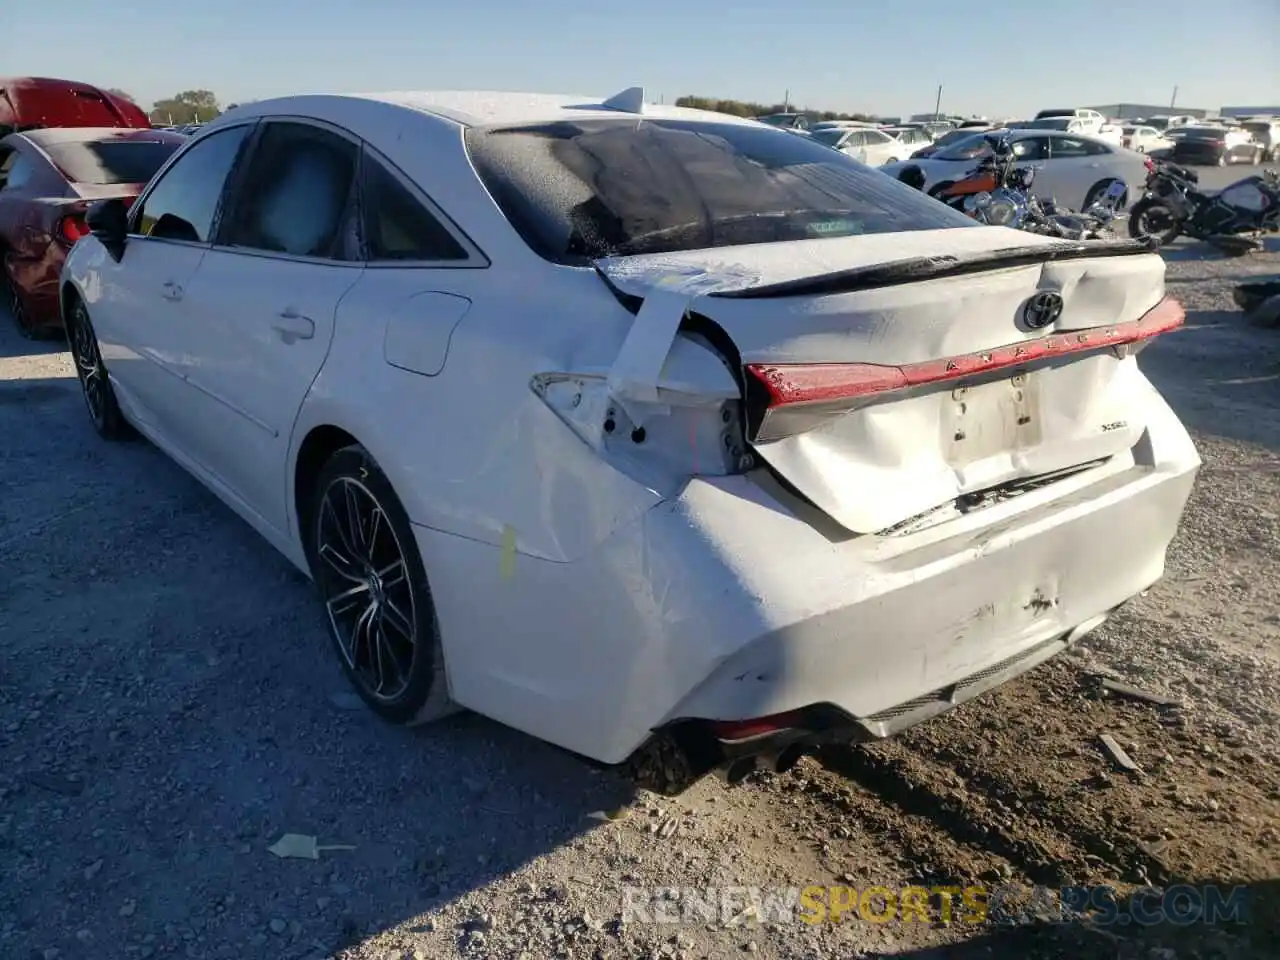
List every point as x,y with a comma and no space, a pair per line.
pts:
169,708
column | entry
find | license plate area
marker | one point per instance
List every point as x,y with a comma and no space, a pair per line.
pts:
988,419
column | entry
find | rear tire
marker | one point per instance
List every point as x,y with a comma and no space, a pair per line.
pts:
17,308
1167,227
95,382
381,617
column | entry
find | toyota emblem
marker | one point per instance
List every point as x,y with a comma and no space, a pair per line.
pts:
1042,310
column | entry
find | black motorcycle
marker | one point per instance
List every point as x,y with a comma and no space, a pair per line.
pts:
1173,205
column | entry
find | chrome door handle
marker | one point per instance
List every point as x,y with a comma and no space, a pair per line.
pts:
172,291
292,326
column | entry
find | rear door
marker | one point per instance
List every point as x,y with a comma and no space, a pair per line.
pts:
17,169
258,315
855,145
1076,164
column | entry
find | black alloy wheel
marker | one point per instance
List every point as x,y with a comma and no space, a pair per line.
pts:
377,602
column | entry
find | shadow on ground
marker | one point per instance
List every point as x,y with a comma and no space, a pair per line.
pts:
1213,921
171,707
1187,368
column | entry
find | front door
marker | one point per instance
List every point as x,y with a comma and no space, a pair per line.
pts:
138,305
260,308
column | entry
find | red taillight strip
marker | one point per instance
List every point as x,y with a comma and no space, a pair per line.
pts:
72,228
791,383
735,730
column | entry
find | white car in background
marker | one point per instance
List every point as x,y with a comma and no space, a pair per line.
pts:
1072,168
1144,139
867,145
630,425
1091,121
912,137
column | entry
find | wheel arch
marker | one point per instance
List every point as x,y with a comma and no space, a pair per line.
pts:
320,443
68,295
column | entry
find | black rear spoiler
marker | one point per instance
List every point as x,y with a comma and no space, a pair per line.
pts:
897,272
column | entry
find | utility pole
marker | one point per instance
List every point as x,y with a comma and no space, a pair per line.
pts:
937,105
786,101
1174,98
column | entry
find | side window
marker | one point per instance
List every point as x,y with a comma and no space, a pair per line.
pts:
855,139
295,193
1030,148
396,225
1068,148
185,200
875,138
20,171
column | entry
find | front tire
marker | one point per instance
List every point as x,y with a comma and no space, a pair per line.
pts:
1151,218
378,605
95,383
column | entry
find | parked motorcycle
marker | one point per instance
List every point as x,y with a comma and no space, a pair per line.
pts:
1173,205
998,192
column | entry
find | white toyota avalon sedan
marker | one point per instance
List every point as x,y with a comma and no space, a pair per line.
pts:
637,428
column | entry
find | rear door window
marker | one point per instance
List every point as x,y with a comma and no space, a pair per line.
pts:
586,189
397,225
1073,148
184,203
19,173
296,194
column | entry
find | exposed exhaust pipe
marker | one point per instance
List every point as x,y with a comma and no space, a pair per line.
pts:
784,759
780,762
737,771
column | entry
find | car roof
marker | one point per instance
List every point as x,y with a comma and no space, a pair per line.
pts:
52,136
472,108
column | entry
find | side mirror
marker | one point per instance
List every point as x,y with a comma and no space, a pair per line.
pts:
108,220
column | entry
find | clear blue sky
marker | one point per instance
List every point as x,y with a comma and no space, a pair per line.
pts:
996,57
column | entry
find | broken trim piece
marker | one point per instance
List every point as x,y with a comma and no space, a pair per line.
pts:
789,385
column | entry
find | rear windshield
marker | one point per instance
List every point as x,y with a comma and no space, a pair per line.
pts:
577,191
110,161
1204,133
830,135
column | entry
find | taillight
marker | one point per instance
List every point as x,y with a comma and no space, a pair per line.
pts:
787,399
72,228
1149,164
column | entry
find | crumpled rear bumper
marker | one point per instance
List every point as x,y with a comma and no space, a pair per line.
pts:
724,605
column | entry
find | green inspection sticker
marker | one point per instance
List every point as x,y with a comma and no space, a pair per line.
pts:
826,228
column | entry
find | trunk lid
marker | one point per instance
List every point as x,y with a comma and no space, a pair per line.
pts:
911,364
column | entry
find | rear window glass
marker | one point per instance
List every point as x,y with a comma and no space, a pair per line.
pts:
830,135
1205,133
110,161
578,191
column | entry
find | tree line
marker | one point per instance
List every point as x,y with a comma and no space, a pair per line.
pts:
742,108
189,106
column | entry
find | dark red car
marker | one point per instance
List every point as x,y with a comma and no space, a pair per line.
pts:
48,178
30,102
